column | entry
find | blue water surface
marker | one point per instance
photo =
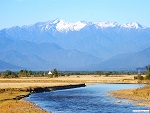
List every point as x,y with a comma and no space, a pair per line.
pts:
89,99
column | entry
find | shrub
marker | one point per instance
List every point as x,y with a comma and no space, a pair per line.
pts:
147,77
148,73
139,77
55,73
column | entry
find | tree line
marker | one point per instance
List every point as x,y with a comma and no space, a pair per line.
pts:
27,73
55,73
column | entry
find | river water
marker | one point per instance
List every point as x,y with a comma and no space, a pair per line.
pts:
89,99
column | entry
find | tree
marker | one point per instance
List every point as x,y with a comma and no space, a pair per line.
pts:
7,73
148,72
10,74
55,73
25,73
14,75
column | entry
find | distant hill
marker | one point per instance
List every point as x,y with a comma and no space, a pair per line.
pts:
7,66
129,61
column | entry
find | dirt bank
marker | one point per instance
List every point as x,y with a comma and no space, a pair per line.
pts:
20,106
11,99
139,96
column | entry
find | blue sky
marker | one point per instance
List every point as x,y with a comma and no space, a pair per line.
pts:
26,12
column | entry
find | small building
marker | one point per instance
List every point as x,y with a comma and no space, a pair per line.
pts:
49,73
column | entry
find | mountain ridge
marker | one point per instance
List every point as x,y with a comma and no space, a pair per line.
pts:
101,24
79,44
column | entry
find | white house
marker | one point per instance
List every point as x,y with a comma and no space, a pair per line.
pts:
50,73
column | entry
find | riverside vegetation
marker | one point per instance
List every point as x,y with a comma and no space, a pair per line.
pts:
147,77
55,73
140,96
27,73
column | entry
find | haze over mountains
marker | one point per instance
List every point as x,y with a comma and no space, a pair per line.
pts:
75,46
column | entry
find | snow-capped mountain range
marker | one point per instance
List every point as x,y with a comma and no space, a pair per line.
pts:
74,46
63,26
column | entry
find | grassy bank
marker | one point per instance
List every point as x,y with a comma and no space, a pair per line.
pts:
20,106
10,102
11,99
139,96
12,92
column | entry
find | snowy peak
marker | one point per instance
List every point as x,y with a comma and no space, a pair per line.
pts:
63,26
105,24
55,21
66,26
135,25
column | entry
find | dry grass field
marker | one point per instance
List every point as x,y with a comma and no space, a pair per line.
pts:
42,81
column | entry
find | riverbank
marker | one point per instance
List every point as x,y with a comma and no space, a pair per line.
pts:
14,90
139,96
20,106
11,99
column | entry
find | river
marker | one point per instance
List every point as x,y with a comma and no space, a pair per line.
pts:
89,99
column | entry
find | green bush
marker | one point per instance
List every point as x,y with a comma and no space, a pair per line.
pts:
148,73
147,76
55,73
139,77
